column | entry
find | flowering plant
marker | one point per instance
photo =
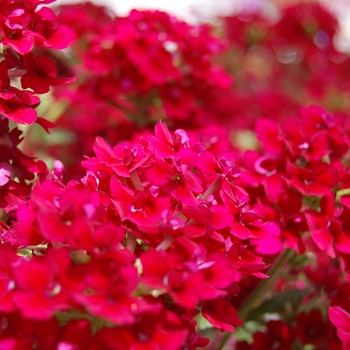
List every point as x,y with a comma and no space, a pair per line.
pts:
171,233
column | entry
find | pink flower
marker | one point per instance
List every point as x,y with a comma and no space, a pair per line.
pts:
221,314
42,74
316,178
17,105
341,319
311,328
278,335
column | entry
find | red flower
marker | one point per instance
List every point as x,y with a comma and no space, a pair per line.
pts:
329,228
341,319
315,179
165,271
221,314
17,105
311,328
21,26
279,336
42,74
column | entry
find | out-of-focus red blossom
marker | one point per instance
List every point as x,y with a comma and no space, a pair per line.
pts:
278,335
15,104
341,319
195,257
293,52
167,227
42,73
221,314
75,335
166,62
312,328
23,25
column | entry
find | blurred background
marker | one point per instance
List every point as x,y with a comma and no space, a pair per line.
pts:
209,10
256,58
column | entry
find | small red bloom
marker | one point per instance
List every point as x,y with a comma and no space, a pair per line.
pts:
42,74
221,314
311,328
17,105
279,336
341,319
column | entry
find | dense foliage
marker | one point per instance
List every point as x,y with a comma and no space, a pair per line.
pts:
194,191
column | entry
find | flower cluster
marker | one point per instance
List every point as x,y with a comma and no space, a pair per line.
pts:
286,62
299,161
155,233
26,30
177,236
300,180
136,70
25,26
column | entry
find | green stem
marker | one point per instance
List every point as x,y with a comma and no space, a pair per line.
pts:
131,242
216,184
166,242
64,316
224,340
258,294
136,180
17,73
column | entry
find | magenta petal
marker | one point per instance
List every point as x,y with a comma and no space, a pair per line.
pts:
47,14
61,81
339,317
104,151
121,193
221,314
221,218
240,231
51,227
169,340
23,45
343,244
121,170
46,124
193,182
34,305
324,240
6,95
329,177
62,38
5,174
274,186
268,134
345,200
162,133
80,234
33,80
162,149
315,220
23,116
183,194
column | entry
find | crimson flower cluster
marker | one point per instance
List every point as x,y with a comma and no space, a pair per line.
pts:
283,62
27,29
23,27
300,179
173,239
136,70
155,233
301,160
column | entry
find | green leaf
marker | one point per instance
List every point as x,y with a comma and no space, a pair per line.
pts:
278,303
